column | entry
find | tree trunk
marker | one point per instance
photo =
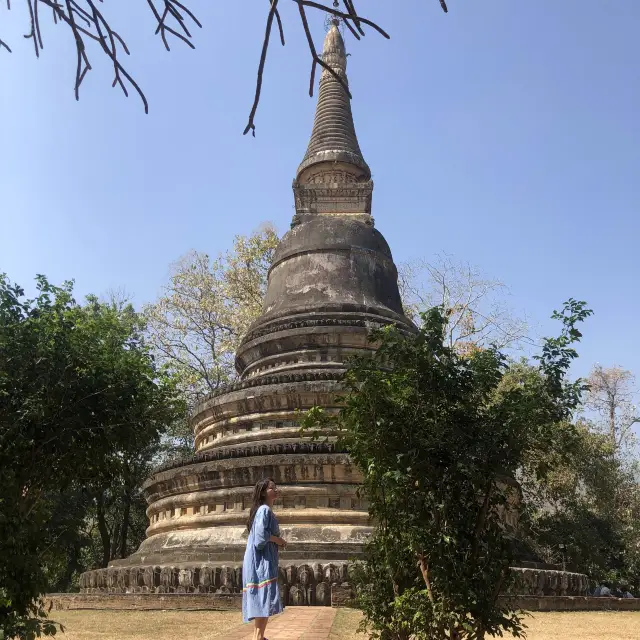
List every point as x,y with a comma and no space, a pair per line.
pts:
104,530
115,537
424,568
612,426
124,525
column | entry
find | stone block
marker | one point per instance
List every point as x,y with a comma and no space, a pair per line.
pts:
341,595
305,576
296,597
323,595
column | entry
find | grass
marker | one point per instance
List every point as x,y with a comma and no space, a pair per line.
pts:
573,625
202,625
145,625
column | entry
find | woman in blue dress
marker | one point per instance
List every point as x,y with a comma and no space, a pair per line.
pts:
260,591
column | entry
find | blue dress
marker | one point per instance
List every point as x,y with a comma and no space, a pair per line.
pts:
260,590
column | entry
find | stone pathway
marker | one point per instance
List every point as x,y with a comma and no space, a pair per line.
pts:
296,623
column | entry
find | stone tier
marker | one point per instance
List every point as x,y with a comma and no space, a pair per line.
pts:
333,267
301,584
265,411
318,342
226,453
198,511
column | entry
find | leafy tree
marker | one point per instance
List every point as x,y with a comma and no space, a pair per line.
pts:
196,324
439,437
172,21
115,519
80,397
585,511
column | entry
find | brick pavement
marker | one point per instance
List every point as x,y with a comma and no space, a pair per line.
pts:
296,623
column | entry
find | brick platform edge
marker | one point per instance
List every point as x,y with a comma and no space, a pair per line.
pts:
145,601
340,597
574,603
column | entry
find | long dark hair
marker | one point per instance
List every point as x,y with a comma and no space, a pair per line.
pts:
259,498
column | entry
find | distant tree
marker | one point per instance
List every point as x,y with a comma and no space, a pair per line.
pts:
197,322
172,20
80,400
439,437
101,519
582,511
611,394
475,305
591,537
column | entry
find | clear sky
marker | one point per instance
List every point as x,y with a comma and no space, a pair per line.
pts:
504,133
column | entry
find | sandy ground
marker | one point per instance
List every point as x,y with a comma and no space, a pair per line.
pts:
201,625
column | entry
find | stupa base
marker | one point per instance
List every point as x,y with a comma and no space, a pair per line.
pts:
302,583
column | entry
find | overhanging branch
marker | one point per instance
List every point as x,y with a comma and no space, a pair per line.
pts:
173,19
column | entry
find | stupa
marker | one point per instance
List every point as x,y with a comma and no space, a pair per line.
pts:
332,280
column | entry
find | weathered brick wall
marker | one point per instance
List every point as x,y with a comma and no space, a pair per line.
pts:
145,601
341,595
574,603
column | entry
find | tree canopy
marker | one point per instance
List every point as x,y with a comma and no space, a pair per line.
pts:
80,399
440,438
197,322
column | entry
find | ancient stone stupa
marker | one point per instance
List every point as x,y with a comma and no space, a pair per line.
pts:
331,281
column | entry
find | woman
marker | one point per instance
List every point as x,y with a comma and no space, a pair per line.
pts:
260,593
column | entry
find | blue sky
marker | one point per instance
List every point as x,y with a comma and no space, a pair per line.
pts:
504,133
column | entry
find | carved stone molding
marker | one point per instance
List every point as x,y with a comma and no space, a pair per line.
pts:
331,176
250,452
300,584
548,582
280,378
304,584
304,324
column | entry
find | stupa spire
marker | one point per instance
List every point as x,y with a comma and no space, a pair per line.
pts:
334,137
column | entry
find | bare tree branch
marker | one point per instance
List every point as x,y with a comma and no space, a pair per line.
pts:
280,27
173,19
351,10
87,23
263,58
474,305
195,325
612,393
314,54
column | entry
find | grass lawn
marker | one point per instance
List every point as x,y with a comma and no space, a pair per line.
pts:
201,625
145,625
573,625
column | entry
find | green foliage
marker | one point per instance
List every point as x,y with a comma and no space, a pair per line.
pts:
586,511
28,627
440,437
81,404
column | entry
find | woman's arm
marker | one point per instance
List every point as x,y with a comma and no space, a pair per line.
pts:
281,542
262,530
